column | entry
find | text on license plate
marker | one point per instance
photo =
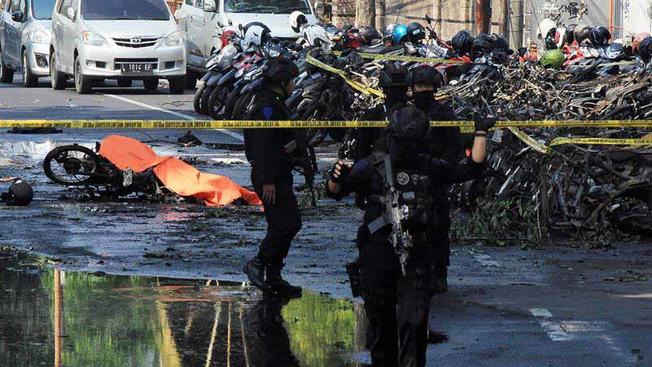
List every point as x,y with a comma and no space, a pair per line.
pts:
137,68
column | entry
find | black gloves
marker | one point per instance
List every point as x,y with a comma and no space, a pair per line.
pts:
344,170
484,123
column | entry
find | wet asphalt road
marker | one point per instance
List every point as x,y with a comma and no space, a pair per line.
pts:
558,306
107,102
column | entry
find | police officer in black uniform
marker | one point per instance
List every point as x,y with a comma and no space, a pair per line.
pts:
271,175
392,81
445,143
397,292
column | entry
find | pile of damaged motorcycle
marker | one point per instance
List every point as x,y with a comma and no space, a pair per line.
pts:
582,76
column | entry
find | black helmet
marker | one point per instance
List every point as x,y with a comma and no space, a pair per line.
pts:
416,32
462,42
569,34
483,43
408,123
500,42
581,33
280,69
392,75
550,42
599,36
645,49
369,34
20,193
615,51
425,75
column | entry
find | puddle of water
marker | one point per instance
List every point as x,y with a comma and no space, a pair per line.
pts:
50,317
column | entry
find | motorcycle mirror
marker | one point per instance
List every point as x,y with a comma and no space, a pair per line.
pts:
17,16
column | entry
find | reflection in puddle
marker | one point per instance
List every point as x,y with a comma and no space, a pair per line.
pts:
76,319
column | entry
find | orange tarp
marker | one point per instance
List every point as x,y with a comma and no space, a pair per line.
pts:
178,176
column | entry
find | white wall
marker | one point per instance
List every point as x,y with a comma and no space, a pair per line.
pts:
636,16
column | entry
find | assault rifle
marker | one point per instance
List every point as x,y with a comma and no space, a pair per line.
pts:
395,214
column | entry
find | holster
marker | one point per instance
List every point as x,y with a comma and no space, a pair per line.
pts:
353,270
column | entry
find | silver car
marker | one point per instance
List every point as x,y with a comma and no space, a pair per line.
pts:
25,40
126,40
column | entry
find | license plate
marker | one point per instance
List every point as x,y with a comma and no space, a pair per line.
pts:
137,68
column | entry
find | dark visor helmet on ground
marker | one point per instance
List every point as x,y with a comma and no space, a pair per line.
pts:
19,194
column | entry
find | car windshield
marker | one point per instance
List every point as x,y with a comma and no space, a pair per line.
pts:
124,10
42,9
266,6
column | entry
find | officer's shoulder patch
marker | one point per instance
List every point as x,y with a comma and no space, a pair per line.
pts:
268,112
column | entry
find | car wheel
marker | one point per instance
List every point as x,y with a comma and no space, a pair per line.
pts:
57,80
29,79
151,85
124,83
177,85
6,74
82,82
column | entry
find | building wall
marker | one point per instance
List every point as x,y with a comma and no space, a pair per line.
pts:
448,16
637,16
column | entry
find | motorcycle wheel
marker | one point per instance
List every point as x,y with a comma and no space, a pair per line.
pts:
216,104
196,102
71,165
229,104
206,94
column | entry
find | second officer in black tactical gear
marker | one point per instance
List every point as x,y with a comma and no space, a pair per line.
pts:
395,255
445,143
392,81
271,175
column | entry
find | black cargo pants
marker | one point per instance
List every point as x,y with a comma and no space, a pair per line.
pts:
283,219
396,306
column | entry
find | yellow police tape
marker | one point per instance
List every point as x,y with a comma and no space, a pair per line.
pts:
355,85
465,126
394,57
602,141
304,124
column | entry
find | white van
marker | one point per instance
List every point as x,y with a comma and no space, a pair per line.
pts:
203,20
127,40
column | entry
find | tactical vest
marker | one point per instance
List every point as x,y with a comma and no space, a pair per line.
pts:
414,196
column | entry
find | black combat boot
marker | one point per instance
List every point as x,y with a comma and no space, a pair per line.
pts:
440,279
276,285
255,270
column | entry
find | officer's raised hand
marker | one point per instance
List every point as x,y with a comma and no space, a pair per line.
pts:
484,123
339,171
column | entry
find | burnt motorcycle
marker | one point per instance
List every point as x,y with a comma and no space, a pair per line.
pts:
78,166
